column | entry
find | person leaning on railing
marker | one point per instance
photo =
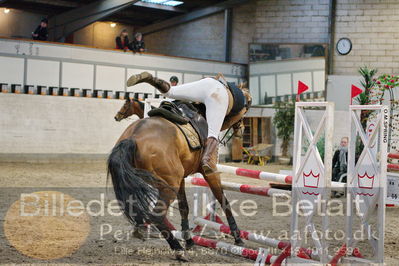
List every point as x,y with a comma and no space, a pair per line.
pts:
137,45
41,32
122,41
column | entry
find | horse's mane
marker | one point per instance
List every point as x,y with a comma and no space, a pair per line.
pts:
140,103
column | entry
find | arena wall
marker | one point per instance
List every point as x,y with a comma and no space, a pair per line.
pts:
34,127
41,127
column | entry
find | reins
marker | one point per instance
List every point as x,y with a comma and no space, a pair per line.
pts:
222,141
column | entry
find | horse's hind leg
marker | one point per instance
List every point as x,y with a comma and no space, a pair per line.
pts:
160,211
184,211
216,186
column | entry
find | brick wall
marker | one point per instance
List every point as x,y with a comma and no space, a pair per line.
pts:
243,31
373,28
288,21
291,21
203,38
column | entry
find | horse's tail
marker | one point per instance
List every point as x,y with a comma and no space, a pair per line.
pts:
134,188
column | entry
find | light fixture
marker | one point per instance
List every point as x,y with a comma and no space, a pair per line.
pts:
164,2
173,3
6,10
113,25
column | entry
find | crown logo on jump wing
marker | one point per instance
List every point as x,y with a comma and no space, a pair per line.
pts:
365,181
311,180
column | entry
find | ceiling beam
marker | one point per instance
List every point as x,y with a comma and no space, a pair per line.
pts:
64,3
196,14
58,3
75,19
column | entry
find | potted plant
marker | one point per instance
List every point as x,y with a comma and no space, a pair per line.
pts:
284,120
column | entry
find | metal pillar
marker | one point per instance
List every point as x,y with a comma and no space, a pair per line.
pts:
228,23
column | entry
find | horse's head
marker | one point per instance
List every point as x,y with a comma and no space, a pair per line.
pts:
129,108
125,111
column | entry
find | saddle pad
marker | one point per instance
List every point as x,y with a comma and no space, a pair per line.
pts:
191,135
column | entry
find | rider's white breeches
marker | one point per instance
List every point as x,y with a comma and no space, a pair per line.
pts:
209,92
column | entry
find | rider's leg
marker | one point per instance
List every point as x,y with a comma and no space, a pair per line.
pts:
160,84
197,91
216,108
216,99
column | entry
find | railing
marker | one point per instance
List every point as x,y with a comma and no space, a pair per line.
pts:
28,64
273,79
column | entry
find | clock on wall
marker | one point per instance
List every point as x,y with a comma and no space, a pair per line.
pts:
344,46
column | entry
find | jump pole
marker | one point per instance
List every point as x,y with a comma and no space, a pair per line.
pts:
287,179
267,176
393,155
260,239
230,248
236,187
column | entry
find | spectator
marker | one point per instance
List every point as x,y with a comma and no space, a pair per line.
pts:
173,80
340,160
122,41
137,45
41,32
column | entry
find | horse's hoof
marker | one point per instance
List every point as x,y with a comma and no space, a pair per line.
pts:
189,244
139,234
180,256
239,242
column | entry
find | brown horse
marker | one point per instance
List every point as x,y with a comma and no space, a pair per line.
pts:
131,107
148,166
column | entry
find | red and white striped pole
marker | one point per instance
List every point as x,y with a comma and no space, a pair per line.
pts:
248,189
233,249
287,179
393,155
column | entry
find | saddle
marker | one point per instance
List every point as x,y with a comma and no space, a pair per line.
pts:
187,118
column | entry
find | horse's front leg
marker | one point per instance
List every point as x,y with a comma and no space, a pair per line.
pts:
184,211
215,185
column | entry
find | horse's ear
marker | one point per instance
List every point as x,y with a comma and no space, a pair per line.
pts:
127,99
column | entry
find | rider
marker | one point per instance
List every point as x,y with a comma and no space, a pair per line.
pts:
174,80
208,91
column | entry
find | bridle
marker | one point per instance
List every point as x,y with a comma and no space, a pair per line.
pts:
125,112
234,126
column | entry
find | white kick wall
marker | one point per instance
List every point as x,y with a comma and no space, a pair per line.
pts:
35,126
